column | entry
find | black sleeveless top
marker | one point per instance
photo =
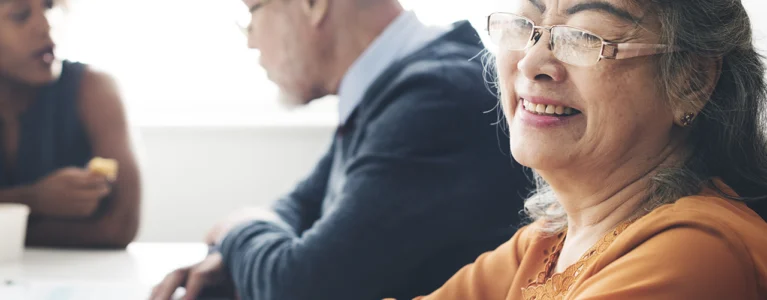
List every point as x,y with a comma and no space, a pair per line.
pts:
51,135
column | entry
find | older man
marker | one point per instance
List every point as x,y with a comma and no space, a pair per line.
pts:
416,183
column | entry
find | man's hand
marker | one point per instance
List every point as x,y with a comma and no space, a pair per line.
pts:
210,274
69,192
222,228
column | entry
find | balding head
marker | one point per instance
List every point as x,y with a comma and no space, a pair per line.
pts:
365,4
364,14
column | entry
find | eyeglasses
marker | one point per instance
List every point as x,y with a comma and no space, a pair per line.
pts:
246,29
569,44
258,5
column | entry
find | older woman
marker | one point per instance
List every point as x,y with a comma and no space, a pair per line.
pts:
642,122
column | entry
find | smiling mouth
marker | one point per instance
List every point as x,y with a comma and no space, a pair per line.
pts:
548,110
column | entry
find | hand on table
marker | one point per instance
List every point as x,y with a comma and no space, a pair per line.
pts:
222,228
209,277
69,192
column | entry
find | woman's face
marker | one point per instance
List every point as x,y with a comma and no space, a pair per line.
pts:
618,113
26,47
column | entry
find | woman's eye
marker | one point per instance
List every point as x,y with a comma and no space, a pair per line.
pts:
21,16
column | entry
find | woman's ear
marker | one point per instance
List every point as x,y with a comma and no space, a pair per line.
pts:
700,87
315,10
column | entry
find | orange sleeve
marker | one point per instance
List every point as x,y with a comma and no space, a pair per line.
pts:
680,263
489,277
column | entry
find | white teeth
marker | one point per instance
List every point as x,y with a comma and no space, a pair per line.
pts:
48,58
546,109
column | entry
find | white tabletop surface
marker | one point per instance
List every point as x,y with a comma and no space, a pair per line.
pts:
49,274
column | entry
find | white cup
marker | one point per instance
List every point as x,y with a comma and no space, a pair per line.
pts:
13,230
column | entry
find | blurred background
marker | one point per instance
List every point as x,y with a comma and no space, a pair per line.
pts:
210,134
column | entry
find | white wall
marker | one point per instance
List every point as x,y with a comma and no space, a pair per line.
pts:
756,10
194,176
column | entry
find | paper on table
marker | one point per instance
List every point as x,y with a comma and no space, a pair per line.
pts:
10,290
71,291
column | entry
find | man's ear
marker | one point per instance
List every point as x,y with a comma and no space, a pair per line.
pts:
315,10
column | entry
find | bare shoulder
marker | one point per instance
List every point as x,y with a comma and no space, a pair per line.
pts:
96,84
101,104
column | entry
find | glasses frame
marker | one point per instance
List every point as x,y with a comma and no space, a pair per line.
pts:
246,29
609,50
259,5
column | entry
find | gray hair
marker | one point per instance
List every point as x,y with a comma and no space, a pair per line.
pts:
727,139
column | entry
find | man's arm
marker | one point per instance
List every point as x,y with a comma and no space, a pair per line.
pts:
407,194
116,223
295,211
301,208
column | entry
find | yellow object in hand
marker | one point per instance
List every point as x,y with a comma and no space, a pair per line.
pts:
104,166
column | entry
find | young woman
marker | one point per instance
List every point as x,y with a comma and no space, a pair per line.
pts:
55,116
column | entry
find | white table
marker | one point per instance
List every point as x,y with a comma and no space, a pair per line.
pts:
50,274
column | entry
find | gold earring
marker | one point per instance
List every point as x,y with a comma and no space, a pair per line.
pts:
687,119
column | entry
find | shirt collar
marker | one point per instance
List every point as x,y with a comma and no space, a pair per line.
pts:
404,36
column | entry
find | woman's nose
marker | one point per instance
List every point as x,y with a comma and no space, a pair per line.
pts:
41,24
538,63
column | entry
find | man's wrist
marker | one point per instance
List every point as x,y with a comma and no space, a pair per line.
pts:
215,248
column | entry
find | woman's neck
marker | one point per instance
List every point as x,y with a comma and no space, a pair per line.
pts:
588,224
602,212
599,203
600,197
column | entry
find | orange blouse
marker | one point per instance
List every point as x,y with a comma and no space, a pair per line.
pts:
701,247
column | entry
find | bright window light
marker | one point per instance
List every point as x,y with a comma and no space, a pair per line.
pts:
185,62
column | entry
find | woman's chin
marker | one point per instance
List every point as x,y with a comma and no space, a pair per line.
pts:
540,158
42,80
42,76
541,149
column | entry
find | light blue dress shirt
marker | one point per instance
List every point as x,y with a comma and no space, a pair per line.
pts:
404,36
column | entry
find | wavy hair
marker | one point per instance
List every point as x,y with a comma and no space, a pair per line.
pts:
727,139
